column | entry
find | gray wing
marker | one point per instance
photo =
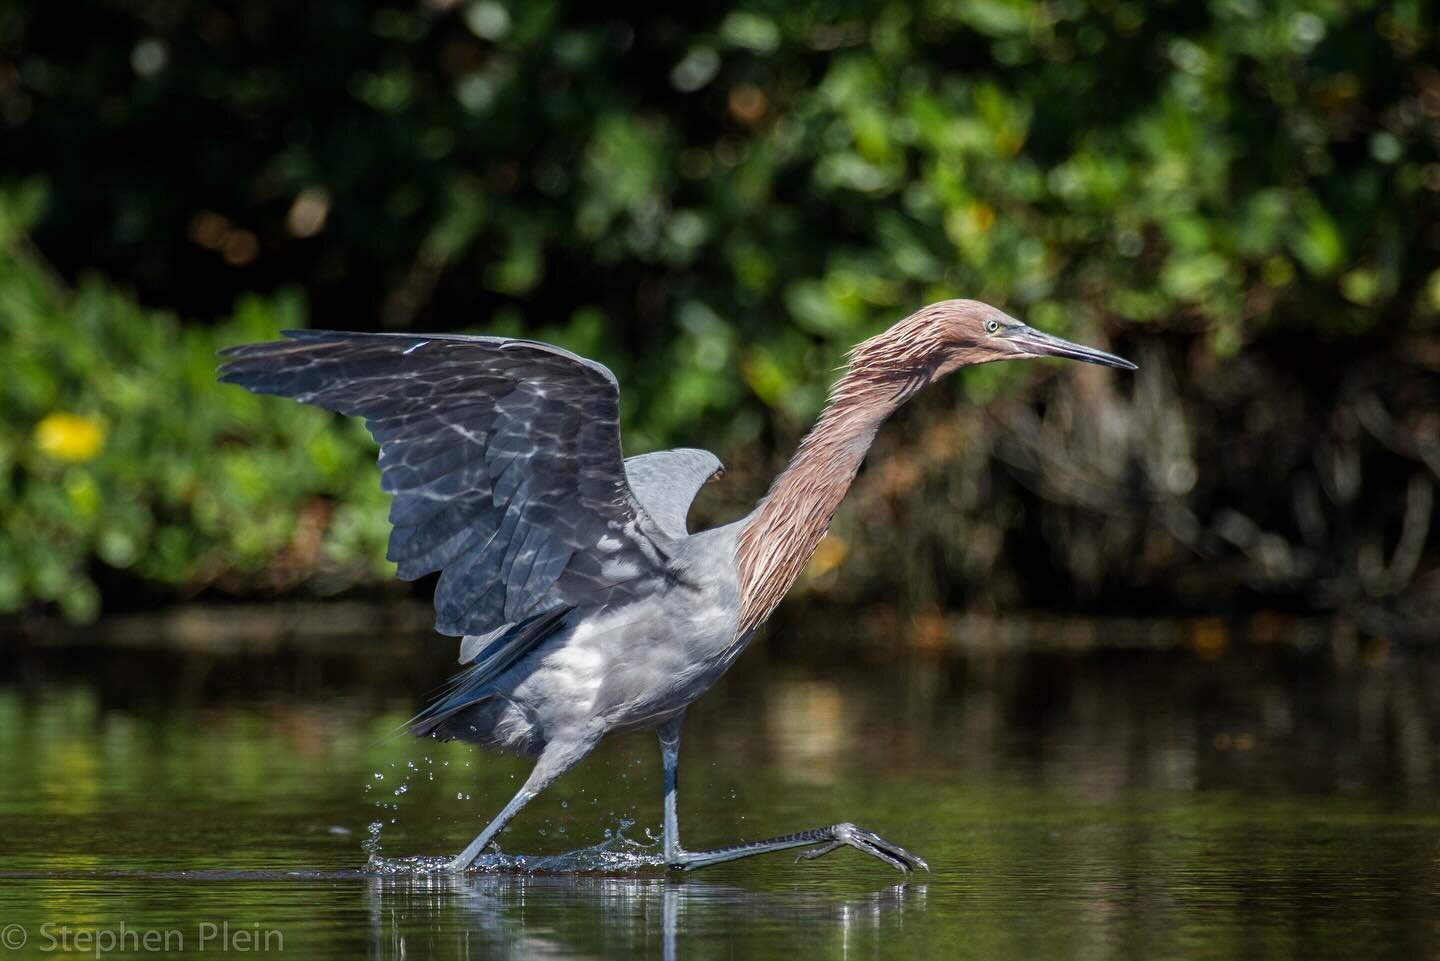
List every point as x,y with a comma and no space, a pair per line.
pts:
666,482
503,457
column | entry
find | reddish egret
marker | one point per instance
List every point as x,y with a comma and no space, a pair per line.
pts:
585,605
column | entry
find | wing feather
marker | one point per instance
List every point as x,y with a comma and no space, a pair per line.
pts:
503,459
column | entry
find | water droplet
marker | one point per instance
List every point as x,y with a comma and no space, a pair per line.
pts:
402,789
371,845
379,776
564,804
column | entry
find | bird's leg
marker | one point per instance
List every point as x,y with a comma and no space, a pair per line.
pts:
555,760
823,840
482,840
670,757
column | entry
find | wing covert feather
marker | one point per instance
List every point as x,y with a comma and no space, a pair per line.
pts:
503,458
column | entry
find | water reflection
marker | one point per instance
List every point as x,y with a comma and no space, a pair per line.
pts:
1200,799
600,917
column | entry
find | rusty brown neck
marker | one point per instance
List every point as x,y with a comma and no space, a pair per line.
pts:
786,526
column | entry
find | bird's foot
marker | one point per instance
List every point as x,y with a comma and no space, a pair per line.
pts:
828,838
866,842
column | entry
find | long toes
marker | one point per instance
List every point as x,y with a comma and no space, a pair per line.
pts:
877,847
883,855
912,861
819,852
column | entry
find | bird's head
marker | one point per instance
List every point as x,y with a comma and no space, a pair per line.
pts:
951,334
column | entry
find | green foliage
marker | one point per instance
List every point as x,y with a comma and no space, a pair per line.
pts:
1221,167
717,201
118,446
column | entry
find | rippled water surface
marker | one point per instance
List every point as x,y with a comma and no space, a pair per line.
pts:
1254,803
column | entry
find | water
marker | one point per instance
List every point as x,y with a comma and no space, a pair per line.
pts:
1256,803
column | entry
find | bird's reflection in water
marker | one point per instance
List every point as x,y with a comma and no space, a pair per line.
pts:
579,916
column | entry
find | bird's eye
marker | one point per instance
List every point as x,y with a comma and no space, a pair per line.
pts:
991,326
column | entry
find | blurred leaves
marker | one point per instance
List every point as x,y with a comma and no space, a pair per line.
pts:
440,164
118,447
717,201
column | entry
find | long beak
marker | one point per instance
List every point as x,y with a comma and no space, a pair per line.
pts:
1041,344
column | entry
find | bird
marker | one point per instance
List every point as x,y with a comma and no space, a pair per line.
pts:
585,606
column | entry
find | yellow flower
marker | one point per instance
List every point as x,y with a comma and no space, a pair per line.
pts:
69,437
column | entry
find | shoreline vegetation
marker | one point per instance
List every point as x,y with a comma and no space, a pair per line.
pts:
717,204
155,485
370,627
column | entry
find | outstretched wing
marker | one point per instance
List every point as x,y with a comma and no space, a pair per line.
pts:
503,457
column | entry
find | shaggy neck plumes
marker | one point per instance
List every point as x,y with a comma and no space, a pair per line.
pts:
787,526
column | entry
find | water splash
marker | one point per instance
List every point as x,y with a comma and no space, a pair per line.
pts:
617,854
371,844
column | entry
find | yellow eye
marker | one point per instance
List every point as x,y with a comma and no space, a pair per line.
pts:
992,325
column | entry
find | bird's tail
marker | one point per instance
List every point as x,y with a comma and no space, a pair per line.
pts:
477,681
